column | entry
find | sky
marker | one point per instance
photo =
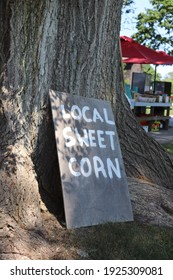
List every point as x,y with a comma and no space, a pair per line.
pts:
128,28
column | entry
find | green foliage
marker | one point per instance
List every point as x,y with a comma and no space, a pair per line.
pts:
150,70
169,78
169,148
127,6
127,2
155,26
128,10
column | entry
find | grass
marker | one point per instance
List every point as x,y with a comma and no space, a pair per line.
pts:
128,241
169,148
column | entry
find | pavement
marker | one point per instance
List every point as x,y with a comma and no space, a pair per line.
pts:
164,136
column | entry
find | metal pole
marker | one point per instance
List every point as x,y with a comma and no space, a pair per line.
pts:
155,77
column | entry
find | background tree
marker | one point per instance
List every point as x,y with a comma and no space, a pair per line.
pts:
169,78
128,13
70,46
128,6
155,26
150,70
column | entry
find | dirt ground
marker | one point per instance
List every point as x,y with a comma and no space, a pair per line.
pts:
62,240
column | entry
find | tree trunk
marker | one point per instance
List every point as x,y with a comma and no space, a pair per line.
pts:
70,46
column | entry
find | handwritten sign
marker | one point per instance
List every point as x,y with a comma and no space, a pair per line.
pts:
92,173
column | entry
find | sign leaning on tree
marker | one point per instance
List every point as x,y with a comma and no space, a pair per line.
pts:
93,178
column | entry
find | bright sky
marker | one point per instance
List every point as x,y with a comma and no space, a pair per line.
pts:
128,28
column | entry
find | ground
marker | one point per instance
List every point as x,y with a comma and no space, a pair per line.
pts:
132,240
148,237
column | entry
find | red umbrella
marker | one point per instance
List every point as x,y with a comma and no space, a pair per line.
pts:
133,52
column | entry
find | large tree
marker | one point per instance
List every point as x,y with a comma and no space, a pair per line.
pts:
70,46
155,26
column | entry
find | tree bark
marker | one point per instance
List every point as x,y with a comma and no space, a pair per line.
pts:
70,46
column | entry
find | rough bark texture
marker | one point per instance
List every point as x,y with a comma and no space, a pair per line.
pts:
151,203
71,46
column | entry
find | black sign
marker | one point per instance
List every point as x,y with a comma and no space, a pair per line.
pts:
92,173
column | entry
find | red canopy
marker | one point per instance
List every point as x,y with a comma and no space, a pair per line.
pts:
133,52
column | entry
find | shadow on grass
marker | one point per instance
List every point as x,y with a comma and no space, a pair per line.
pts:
125,241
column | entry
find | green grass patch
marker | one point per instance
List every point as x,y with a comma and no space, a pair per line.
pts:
169,147
125,241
